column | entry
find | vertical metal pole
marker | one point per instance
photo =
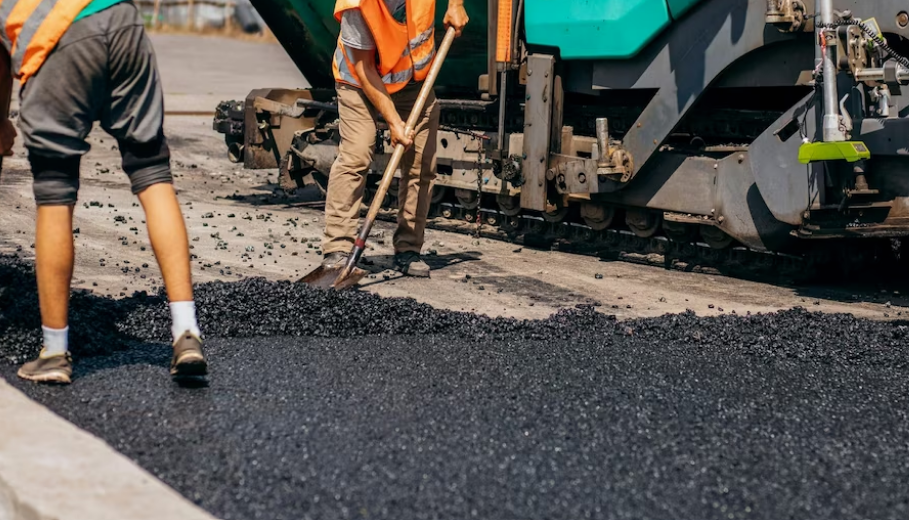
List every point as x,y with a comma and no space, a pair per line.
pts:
503,94
602,142
515,33
832,130
537,127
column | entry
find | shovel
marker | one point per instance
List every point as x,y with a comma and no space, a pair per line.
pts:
342,277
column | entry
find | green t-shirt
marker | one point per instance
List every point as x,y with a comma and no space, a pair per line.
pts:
96,5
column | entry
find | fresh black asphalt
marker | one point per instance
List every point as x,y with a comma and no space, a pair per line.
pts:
330,406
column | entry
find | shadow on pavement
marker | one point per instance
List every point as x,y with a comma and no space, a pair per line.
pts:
378,264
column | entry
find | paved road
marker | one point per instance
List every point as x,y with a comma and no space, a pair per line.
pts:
787,416
199,72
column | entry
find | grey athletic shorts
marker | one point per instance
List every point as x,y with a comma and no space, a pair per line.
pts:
103,69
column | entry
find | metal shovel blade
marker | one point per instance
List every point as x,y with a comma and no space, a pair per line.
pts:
327,277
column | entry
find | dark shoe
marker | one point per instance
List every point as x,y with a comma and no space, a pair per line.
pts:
49,369
411,264
188,359
335,259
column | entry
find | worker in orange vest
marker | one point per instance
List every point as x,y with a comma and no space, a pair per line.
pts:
81,61
385,50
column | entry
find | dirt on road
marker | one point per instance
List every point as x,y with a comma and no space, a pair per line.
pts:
242,225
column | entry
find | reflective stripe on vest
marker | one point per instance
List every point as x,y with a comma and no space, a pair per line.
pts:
412,55
394,81
403,76
342,68
426,36
32,28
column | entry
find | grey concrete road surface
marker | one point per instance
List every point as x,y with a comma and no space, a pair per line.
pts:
238,226
198,72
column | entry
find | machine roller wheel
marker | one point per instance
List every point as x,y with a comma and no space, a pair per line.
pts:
536,227
438,193
391,198
716,237
369,193
508,205
511,225
643,222
660,247
597,216
556,213
680,232
585,235
467,198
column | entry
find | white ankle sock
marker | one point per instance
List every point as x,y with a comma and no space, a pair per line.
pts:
56,341
183,315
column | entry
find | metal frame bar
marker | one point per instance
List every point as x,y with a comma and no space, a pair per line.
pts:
537,127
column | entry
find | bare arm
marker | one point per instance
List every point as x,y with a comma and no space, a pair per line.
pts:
364,63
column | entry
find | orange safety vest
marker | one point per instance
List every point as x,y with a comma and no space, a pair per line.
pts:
32,28
405,51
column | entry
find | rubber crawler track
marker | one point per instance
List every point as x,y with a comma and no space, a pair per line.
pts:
825,259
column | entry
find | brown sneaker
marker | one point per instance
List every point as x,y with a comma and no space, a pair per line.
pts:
56,369
188,359
335,259
411,264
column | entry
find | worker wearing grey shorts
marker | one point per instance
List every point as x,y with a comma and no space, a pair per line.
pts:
102,68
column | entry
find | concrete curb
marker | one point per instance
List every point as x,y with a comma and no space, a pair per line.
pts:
51,470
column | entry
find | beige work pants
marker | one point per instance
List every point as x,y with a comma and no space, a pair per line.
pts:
348,173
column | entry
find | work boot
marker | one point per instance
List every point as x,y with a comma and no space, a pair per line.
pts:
188,359
56,369
410,264
337,259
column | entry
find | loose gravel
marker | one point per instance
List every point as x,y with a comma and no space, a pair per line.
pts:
346,405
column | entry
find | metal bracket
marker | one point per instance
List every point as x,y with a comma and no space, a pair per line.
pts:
613,161
295,111
538,126
787,15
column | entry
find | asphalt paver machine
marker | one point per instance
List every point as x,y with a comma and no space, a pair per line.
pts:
768,125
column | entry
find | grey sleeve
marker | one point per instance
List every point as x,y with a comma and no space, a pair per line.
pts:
354,31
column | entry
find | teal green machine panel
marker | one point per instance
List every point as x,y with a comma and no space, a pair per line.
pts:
600,29
595,29
678,7
309,32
